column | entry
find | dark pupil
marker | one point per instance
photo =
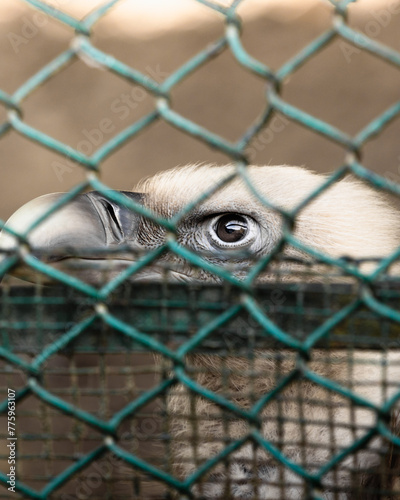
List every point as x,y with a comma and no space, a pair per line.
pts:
231,228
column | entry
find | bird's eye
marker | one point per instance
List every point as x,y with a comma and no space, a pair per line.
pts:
231,228
232,231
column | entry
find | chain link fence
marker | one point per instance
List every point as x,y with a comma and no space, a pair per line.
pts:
97,418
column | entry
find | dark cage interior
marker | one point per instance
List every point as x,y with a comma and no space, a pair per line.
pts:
166,364
94,416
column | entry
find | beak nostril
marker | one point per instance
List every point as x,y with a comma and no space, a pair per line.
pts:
119,223
111,212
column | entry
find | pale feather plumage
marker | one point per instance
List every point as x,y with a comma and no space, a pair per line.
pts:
349,218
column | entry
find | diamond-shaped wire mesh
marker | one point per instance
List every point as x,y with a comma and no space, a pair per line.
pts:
96,417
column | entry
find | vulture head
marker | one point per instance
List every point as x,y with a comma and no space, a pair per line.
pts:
230,228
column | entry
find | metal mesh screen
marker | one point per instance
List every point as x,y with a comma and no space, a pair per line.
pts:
97,418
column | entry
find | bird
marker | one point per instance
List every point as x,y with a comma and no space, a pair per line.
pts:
239,219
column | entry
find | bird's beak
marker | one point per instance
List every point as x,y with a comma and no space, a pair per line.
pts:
81,232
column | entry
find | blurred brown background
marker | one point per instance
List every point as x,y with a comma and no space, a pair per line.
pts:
344,87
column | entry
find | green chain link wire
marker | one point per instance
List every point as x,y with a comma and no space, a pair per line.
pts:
163,110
